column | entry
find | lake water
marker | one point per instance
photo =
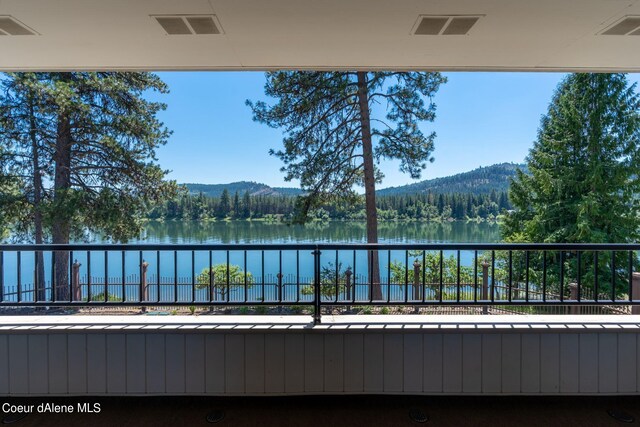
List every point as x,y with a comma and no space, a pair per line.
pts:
336,232
177,270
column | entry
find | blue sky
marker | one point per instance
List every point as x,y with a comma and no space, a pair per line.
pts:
482,119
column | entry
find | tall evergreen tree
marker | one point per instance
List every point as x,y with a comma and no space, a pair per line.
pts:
224,206
584,179
236,205
90,141
246,205
332,146
584,171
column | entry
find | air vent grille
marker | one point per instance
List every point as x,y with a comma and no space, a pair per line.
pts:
13,27
189,24
629,25
445,25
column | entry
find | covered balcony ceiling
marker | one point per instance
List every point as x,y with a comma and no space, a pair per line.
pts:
527,35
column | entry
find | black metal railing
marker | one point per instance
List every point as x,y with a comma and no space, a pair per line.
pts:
511,278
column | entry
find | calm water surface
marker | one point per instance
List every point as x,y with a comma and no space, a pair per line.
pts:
296,266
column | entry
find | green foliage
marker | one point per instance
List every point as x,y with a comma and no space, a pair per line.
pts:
482,180
329,276
584,173
110,297
326,127
403,207
90,137
430,269
583,177
224,280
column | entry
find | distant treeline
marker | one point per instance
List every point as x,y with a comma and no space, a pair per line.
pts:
426,206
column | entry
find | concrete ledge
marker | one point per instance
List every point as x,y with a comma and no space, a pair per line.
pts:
342,323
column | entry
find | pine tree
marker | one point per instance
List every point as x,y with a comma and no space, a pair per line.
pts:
90,141
330,143
224,206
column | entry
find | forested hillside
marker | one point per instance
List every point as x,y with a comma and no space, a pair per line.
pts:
483,180
478,194
254,189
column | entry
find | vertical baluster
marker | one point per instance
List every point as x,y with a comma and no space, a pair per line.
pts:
337,273
579,274
297,275
596,291
388,275
106,276
70,276
493,275
526,283
36,276
509,291
19,276
175,276
158,275
370,262
544,276
228,278
355,278
441,275
246,277
280,275
424,276
124,279
262,276
2,276
630,287
561,275
88,276
613,276
193,276
475,276
406,276
458,279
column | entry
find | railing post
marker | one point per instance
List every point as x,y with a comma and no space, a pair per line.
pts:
635,292
75,281
347,285
485,285
317,304
573,296
144,289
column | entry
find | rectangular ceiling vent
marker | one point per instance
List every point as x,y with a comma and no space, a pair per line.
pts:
189,24
12,27
627,26
458,25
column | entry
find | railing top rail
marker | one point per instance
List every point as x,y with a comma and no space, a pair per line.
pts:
321,246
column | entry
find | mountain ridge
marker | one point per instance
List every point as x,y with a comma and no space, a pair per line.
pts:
482,180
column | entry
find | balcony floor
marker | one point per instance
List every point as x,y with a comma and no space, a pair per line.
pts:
353,411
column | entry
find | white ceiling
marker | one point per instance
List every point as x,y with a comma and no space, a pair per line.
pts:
320,34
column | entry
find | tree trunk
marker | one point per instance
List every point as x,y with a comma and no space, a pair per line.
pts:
61,222
369,185
37,198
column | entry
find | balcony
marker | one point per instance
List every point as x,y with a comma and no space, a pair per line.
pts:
307,319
